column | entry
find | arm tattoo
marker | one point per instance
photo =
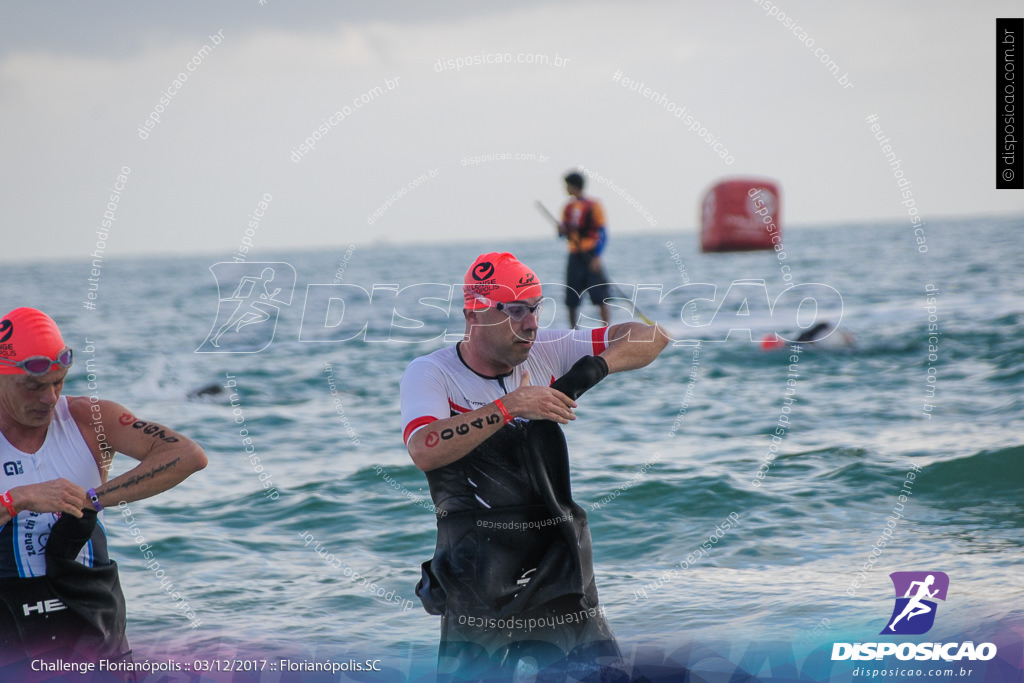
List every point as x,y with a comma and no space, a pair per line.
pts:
131,481
154,430
434,438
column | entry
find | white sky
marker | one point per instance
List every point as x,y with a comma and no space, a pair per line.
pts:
76,81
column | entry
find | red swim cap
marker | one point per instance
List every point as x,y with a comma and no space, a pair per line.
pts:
772,342
498,277
27,332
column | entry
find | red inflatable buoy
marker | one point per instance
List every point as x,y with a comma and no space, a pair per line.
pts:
741,214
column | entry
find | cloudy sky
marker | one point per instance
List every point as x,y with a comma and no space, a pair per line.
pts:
78,81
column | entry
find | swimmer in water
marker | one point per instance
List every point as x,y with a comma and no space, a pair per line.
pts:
823,335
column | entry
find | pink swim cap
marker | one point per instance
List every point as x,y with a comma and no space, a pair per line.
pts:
27,332
498,277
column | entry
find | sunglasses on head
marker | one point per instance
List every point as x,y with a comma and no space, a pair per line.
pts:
516,311
40,365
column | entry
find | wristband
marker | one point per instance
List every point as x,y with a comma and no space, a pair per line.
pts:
95,499
504,411
8,504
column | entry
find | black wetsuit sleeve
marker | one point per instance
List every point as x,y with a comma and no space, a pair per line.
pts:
587,372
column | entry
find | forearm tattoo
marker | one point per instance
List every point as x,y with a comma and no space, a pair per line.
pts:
434,438
138,478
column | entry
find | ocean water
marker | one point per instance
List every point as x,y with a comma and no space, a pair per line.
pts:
270,558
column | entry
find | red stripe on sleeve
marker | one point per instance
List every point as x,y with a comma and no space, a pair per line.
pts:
456,407
416,424
599,336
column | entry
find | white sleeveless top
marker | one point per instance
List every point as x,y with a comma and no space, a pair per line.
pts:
65,454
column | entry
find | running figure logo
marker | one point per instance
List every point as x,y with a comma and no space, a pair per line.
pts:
914,613
247,319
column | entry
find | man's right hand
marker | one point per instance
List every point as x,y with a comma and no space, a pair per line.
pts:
56,495
539,403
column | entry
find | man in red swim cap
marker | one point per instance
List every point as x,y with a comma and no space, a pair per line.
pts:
59,590
512,572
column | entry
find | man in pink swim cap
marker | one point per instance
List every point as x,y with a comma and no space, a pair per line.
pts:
512,574
59,590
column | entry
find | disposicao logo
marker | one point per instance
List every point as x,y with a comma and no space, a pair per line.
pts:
914,614
252,304
917,589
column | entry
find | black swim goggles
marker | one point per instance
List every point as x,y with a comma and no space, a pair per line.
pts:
516,311
40,365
